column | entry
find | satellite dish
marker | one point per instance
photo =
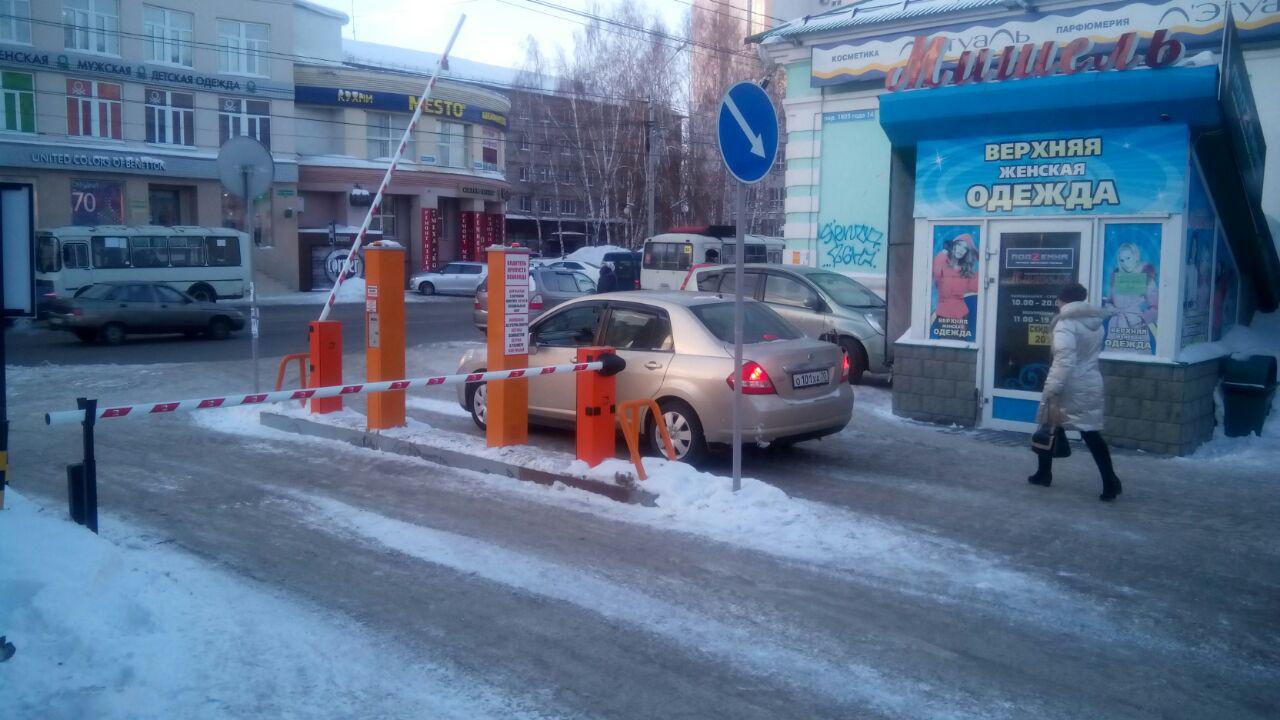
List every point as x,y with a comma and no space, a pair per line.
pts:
245,167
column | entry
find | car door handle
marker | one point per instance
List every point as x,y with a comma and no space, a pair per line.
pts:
124,305
653,365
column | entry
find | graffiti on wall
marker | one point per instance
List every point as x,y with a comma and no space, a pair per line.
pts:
853,245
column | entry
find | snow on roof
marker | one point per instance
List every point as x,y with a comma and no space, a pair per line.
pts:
322,10
419,61
873,12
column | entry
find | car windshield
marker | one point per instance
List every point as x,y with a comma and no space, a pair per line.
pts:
760,324
846,292
99,292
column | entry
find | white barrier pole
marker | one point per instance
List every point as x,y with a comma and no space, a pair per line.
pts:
72,417
386,178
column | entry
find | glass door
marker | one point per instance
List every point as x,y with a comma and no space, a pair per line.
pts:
1028,263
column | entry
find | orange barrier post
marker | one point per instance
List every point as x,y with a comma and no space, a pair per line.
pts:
301,359
326,362
384,332
630,418
597,394
508,335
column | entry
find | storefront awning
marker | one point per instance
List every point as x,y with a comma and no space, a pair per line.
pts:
1083,101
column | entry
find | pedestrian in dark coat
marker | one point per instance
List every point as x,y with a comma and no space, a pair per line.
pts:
608,279
1074,384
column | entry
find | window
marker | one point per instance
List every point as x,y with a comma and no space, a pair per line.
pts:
167,294
384,131
526,203
384,217
186,251
19,96
451,144
47,254
667,256
244,117
584,283
524,173
93,109
75,256
171,117
524,141
760,323
750,283
568,206
91,25
752,253
168,35
544,205
136,294
100,292
489,150
149,252
846,292
242,47
543,173
223,251
110,252
630,329
472,269
709,282
574,327
789,291
15,21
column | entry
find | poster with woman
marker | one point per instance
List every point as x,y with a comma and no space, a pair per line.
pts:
954,308
1226,292
1131,286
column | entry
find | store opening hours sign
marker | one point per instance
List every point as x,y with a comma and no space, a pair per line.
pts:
516,299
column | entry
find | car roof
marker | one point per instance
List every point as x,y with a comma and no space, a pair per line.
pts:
662,298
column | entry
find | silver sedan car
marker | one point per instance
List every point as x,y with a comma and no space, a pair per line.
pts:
679,351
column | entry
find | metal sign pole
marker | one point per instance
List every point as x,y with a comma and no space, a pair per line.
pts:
739,214
253,294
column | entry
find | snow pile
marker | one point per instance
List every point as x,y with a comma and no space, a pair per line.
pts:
351,291
594,254
117,626
1262,337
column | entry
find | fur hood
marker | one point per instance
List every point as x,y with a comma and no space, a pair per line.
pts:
1082,312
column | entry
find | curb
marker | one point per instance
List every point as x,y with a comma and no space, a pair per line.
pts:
452,458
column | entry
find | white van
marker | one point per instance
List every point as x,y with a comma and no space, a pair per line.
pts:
208,264
669,257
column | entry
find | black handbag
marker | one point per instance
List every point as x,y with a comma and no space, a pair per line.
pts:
1050,438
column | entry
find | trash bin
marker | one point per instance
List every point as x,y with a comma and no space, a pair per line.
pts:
1248,387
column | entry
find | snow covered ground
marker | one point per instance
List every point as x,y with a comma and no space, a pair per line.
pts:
125,625
352,291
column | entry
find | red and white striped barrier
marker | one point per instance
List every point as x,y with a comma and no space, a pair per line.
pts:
71,417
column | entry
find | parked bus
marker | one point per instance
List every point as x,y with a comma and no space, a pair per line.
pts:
669,257
208,264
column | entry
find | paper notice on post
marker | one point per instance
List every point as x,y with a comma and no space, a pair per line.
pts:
516,333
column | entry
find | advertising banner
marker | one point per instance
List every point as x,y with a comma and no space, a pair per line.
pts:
853,196
1065,42
430,238
1226,290
1197,272
1034,267
397,102
97,202
1126,171
1131,286
953,308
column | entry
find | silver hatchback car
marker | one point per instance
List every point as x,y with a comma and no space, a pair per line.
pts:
679,351
822,304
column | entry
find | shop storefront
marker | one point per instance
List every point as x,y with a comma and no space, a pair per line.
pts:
1110,146
447,198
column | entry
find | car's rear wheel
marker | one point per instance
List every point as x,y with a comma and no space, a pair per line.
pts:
687,437
857,359
219,328
112,333
202,293
427,288
478,404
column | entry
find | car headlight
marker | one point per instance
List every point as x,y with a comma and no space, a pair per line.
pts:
874,322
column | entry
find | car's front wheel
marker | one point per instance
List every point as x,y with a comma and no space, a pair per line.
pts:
478,404
427,288
687,437
112,333
219,328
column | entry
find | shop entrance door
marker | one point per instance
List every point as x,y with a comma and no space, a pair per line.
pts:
1028,263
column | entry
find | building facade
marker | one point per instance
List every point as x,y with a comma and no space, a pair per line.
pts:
981,158
115,109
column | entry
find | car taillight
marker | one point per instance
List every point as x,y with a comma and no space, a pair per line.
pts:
844,369
478,305
755,381
77,312
535,302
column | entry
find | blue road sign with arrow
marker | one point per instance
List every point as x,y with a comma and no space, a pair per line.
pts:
747,132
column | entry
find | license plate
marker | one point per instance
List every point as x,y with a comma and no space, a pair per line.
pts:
55,320
810,379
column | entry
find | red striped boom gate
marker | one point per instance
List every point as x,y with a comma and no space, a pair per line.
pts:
71,417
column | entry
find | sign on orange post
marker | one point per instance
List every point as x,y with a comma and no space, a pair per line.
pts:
508,336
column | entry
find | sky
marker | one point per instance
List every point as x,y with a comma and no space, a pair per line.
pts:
495,30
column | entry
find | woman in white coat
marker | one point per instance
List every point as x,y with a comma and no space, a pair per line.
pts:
1074,384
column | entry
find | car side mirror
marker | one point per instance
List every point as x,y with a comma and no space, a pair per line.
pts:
533,345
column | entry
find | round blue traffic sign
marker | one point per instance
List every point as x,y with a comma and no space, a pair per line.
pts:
747,131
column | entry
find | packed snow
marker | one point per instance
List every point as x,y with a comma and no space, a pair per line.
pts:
594,254
1261,337
119,625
